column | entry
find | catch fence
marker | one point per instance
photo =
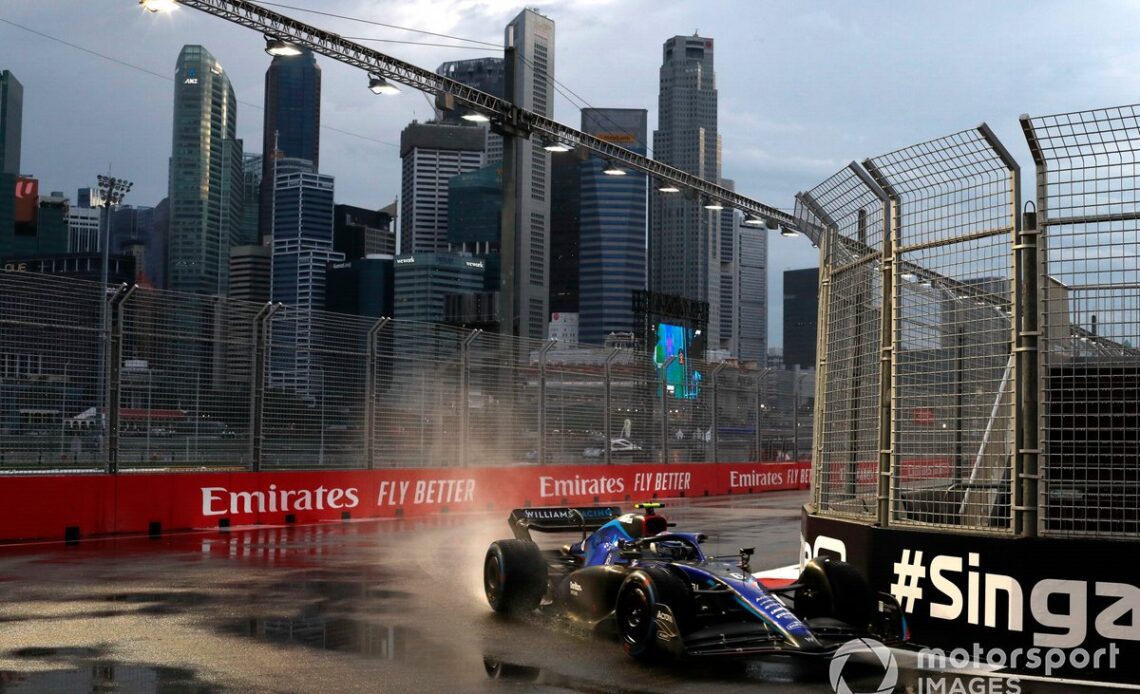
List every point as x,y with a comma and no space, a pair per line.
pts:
977,369
208,382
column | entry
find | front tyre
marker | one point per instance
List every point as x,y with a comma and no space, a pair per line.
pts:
644,595
514,576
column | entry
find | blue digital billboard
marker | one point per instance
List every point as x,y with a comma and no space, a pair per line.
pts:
682,380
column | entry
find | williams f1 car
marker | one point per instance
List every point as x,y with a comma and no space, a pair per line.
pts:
665,596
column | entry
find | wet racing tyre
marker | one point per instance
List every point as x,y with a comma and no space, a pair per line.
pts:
514,576
644,595
835,589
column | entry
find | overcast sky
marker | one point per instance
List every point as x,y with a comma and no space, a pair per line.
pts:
805,87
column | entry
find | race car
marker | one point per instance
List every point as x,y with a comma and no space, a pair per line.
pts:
665,596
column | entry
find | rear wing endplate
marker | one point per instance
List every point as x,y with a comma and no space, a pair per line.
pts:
553,519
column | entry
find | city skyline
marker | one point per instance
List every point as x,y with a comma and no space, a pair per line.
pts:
787,120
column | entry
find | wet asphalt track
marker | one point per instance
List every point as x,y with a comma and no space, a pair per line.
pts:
369,606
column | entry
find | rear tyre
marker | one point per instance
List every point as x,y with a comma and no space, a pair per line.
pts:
835,589
642,596
514,576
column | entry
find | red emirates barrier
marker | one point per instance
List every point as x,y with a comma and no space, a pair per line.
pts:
47,506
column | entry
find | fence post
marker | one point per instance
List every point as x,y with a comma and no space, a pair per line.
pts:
114,374
546,346
664,409
465,394
715,403
607,430
1030,277
370,354
761,381
258,349
891,267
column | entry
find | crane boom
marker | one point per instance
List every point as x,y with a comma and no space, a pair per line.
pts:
504,115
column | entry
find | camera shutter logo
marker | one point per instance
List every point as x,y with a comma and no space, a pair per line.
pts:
882,654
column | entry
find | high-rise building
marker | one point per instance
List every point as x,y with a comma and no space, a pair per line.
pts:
729,220
133,233
424,281
292,124
250,273
40,224
251,165
566,172
11,118
11,122
362,286
613,219
801,313
750,295
684,237
530,85
475,218
484,74
83,230
358,232
302,251
206,193
157,257
432,154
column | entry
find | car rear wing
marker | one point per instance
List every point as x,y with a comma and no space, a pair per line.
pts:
554,519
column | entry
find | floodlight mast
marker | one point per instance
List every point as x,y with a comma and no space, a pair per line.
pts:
504,116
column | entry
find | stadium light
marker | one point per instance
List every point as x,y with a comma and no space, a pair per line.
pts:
713,204
276,47
379,85
666,187
613,169
475,117
554,145
158,5
753,221
788,233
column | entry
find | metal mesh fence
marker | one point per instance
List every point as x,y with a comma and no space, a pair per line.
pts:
203,382
852,212
1088,198
49,367
952,429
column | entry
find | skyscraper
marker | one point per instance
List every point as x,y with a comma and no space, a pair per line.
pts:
530,85
424,280
801,312
684,237
726,254
250,272
11,122
252,165
358,232
566,173
134,233
432,154
612,255
484,74
292,125
205,175
750,295
475,218
11,118
302,251
83,230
